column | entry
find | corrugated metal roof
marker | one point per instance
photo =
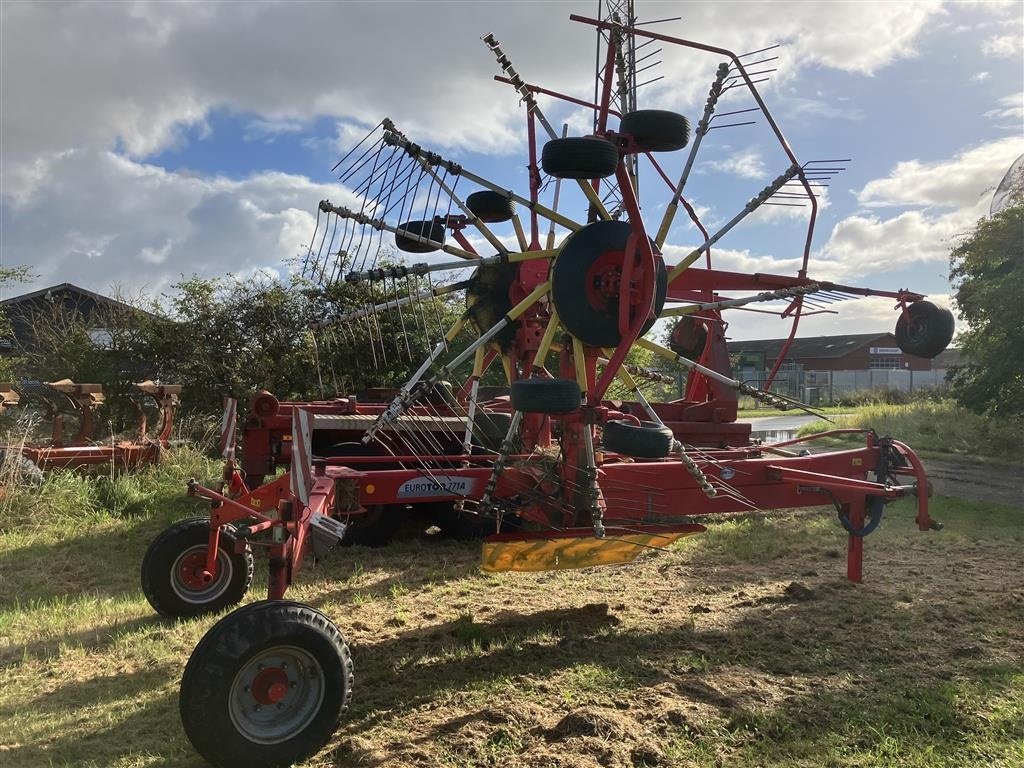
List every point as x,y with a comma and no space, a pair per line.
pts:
815,346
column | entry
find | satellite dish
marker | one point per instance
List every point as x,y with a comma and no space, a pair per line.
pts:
1013,182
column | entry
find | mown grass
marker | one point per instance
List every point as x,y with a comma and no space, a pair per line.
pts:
704,655
937,428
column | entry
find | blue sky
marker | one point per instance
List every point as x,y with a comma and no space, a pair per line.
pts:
143,142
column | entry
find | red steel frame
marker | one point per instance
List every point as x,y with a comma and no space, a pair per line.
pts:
766,482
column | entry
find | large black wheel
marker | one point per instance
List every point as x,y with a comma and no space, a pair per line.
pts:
656,130
173,565
585,282
491,207
579,158
430,230
649,440
688,338
376,526
546,395
490,429
266,686
928,331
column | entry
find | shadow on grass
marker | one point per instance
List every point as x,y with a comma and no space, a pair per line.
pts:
901,687
902,681
91,737
94,639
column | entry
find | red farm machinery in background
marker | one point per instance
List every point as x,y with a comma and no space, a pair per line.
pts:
62,400
575,467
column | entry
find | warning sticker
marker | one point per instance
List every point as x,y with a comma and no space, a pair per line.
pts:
437,485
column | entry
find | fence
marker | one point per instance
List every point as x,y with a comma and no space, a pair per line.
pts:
824,387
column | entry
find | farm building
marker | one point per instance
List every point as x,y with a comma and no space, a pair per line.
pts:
853,352
64,299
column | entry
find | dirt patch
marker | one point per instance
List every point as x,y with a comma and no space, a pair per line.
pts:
1003,484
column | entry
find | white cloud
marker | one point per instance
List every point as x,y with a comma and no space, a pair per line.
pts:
91,90
138,225
980,77
951,195
137,73
1010,108
958,182
1002,46
746,164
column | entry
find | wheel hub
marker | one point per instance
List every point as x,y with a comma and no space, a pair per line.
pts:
192,571
270,685
276,694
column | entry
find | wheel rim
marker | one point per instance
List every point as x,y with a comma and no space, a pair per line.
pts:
276,694
187,580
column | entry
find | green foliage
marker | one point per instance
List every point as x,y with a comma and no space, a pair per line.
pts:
9,275
988,273
232,336
936,427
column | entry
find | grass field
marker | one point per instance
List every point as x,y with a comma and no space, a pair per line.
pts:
937,428
742,647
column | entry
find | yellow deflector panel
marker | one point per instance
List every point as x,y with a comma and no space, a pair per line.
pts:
577,548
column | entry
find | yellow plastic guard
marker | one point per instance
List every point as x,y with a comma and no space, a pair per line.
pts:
563,552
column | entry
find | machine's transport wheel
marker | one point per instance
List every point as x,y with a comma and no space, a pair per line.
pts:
928,332
585,282
491,207
579,158
373,528
689,338
172,570
649,440
266,686
490,429
546,395
376,526
431,230
656,130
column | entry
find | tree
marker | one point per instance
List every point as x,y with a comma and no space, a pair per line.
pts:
8,365
987,270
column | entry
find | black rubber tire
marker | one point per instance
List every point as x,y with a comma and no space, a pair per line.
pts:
579,158
650,440
173,598
19,469
212,701
432,230
591,325
656,130
689,337
490,429
378,525
546,395
930,331
491,207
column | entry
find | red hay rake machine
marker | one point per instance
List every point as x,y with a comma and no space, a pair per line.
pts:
576,467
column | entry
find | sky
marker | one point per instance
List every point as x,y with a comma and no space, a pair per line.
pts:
144,142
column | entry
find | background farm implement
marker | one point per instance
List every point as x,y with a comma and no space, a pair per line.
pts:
576,466
61,401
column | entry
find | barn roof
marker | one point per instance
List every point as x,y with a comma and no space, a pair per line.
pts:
71,289
817,347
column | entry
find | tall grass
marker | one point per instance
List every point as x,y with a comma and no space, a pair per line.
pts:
941,427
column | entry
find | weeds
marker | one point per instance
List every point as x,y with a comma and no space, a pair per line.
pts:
943,426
